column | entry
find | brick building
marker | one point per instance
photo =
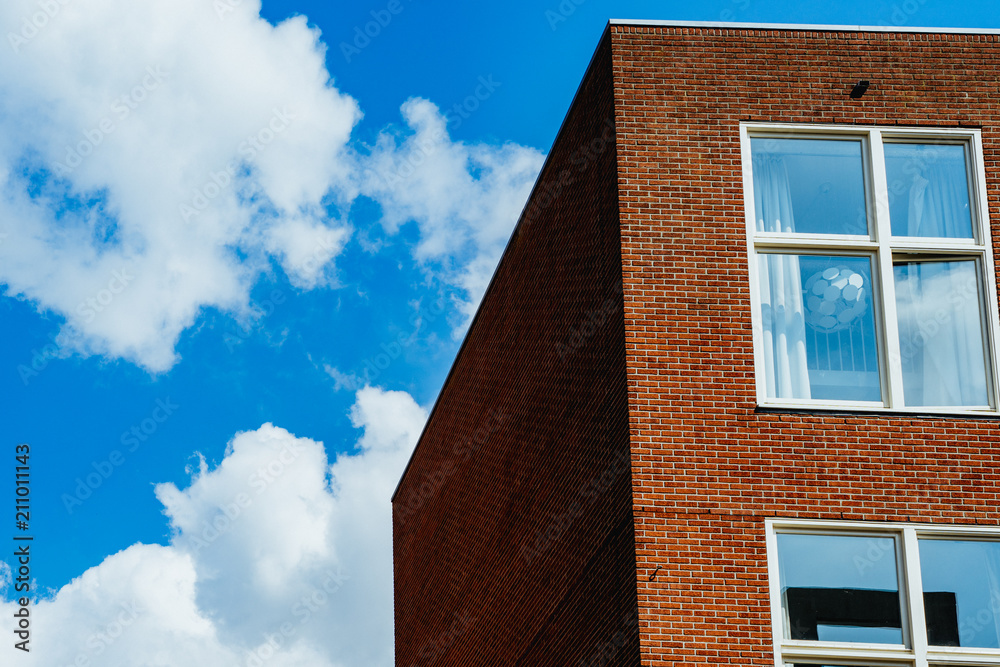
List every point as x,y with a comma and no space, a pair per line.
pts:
732,394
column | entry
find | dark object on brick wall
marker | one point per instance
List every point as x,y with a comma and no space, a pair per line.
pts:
860,88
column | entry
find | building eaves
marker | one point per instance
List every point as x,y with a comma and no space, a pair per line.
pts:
802,27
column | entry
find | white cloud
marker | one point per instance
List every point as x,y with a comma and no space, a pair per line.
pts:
182,139
342,380
137,604
390,419
275,554
306,248
464,197
189,149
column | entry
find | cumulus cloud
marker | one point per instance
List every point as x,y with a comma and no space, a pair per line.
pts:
465,197
277,557
155,157
306,248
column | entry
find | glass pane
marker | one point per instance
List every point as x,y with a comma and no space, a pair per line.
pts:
819,327
928,190
810,186
961,592
940,316
840,588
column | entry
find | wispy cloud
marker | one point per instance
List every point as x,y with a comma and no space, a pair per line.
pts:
465,197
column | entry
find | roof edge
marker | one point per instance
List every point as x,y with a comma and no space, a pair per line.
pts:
802,27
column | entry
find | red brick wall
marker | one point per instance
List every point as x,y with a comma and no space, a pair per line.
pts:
512,528
708,466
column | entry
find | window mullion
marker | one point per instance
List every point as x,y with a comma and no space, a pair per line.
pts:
915,595
989,272
848,246
777,613
883,234
755,299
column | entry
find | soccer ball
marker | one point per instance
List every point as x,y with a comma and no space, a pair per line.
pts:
835,299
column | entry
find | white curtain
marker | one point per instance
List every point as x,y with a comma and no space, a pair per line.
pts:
938,303
939,200
782,308
941,334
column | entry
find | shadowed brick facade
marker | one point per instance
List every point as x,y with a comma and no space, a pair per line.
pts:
592,485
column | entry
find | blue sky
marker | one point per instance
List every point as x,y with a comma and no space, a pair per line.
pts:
218,215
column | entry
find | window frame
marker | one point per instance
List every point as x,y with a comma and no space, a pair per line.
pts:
915,651
884,251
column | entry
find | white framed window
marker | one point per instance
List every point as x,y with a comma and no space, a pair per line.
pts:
849,594
871,268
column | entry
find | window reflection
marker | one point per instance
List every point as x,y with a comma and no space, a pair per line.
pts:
840,588
818,321
809,186
928,190
961,582
941,333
